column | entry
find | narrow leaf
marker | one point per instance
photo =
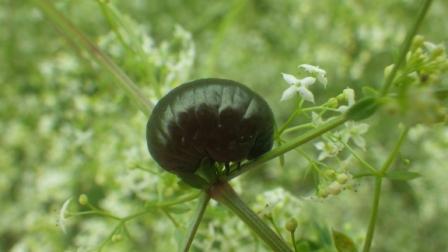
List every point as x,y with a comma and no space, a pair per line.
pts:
402,175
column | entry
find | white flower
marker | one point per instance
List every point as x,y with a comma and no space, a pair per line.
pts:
320,74
328,149
61,219
298,86
348,94
355,131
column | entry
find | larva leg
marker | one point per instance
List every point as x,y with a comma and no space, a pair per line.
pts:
226,168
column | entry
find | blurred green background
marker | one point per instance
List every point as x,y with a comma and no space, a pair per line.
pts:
67,129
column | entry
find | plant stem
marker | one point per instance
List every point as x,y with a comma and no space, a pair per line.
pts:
224,194
112,23
373,214
377,193
291,117
360,159
306,137
70,32
394,152
293,240
298,127
405,46
197,217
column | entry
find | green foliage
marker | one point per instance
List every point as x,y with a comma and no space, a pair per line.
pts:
363,109
402,175
343,243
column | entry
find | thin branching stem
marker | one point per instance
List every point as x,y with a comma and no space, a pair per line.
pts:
377,191
406,46
293,241
195,221
71,32
224,194
364,163
306,137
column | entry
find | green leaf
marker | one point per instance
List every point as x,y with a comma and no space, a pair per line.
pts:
441,94
363,109
362,175
193,180
303,245
402,175
178,209
343,242
369,91
207,170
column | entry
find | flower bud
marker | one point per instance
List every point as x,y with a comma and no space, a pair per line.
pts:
334,188
342,178
388,70
291,225
323,193
116,237
329,173
417,42
333,103
83,199
437,52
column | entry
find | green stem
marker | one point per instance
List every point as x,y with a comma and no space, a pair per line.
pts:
291,117
112,24
293,240
166,204
298,127
224,194
70,32
377,193
173,202
274,225
405,46
197,217
306,137
361,160
373,214
394,152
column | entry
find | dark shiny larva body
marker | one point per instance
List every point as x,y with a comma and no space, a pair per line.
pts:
218,119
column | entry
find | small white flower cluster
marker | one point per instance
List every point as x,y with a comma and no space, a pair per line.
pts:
328,149
335,183
91,233
220,233
335,142
140,183
163,66
332,181
426,63
279,203
301,86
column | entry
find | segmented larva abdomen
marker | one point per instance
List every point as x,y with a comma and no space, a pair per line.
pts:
218,119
